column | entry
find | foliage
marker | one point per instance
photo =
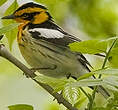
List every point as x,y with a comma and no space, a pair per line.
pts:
71,93
89,47
96,46
57,84
112,103
11,35
110,79
2,2
8,28
98,19
20,107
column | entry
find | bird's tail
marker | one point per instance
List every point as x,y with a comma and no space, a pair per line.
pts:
103,91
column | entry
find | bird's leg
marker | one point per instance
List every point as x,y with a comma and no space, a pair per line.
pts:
69,75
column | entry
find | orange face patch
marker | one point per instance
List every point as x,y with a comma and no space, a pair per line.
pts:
40,18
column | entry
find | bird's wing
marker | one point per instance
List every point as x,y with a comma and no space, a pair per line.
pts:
54,36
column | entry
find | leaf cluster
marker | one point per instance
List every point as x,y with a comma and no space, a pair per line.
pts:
71,88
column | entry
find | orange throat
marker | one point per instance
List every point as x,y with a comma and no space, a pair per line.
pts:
20,31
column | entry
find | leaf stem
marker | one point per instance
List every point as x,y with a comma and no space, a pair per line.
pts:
107,55
85,92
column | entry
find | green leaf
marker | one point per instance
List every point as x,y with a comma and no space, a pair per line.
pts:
111,87
20,107
81,101
57,84
2,2
11,35
112,80
106,71
88,82
89,46
87,75
8,28
72,94
9,11
114,51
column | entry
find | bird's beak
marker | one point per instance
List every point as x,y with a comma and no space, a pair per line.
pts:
9,17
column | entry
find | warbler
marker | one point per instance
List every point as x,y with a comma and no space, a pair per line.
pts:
44,45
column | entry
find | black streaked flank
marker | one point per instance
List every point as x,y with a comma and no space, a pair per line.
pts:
42,53
30,4
51,57
33,49
21,45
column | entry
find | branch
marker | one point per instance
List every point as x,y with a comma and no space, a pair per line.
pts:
7,55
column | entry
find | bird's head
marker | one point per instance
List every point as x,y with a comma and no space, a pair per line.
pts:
30,12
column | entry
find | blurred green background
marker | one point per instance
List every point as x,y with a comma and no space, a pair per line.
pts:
86,19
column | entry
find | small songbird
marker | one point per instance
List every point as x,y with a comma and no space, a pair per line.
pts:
44,45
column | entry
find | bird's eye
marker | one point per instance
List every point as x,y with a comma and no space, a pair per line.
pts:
25,15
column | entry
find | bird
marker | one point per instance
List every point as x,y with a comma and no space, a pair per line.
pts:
45,45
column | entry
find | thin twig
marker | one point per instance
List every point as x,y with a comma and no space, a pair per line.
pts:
7,55
107,55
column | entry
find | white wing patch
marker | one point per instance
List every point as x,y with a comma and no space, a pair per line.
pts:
48,33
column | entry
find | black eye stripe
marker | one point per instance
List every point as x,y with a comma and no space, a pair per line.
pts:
28,14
